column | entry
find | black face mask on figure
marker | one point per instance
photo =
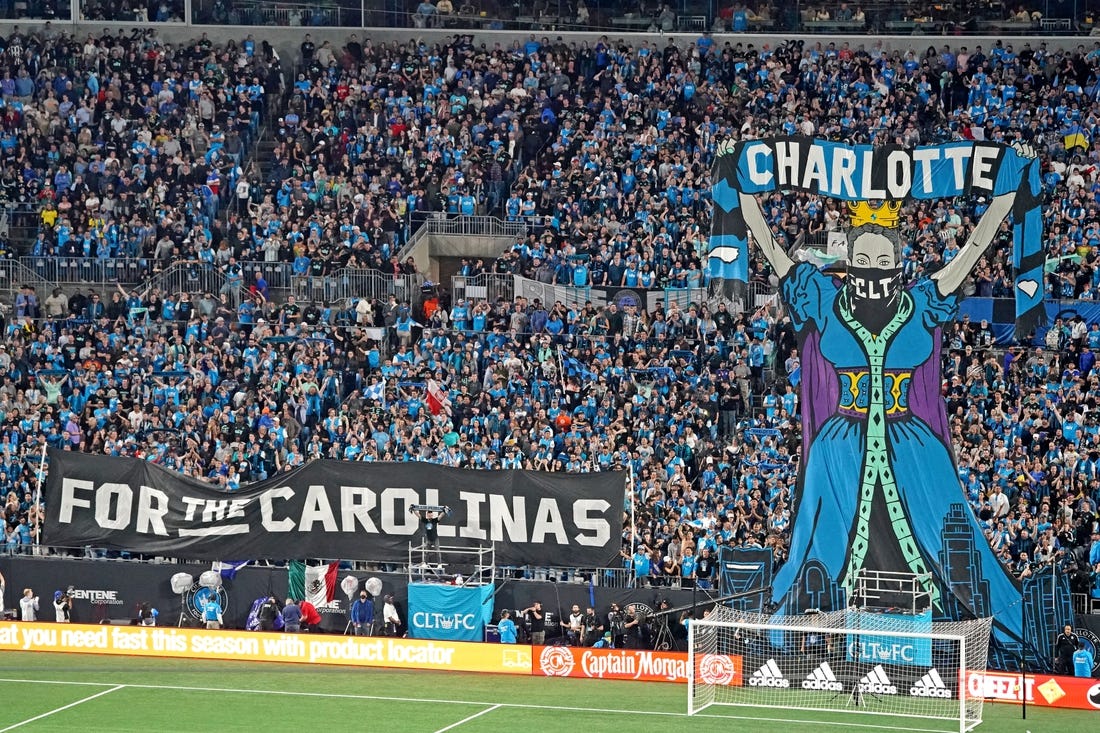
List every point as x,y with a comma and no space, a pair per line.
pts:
873,293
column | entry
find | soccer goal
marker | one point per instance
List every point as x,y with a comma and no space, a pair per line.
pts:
840,663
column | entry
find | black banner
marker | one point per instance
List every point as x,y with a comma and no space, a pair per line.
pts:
333,509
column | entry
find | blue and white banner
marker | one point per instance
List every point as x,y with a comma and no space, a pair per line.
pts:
449,612
885,648
742,570
874,173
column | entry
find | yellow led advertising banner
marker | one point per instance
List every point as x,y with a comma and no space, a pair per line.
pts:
253,646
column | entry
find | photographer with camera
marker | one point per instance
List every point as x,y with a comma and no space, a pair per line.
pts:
616,626
269,611
637,627
147,615
593,629
661,631
62,606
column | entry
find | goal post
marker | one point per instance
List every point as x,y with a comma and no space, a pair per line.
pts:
841,663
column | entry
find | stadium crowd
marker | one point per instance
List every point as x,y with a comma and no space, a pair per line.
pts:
130,147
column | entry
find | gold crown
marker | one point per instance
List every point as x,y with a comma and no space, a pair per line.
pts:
886,214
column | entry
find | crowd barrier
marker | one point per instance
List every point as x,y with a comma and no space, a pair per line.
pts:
633,664
1041,690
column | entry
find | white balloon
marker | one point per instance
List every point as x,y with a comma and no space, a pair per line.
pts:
349,585
374,586
182,582
211,579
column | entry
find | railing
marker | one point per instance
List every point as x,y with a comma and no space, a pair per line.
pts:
187,277
477,226
761,294
439,223
683,298
127,271
195,277
19,222
417,235
351,284
600,16
1083,603
605,577
14,275
578,296
251,12
616,577
486,286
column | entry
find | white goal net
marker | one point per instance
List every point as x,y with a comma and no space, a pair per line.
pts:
841,663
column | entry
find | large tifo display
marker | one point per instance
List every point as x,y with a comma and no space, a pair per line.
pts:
878,463
333,509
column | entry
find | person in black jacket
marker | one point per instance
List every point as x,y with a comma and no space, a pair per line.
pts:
616,625
536,621
269,610
1064,647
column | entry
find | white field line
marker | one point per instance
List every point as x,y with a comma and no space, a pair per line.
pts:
63,707
481,703
467,719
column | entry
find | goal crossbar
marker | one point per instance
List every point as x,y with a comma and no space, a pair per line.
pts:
833,630
839,662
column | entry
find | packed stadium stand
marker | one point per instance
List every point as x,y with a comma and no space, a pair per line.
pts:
245,220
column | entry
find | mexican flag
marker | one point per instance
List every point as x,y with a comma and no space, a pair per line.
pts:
314,583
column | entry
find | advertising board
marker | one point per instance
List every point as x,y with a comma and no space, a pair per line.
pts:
633,664
1042,690
266,647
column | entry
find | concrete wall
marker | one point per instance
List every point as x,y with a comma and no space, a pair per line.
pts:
431,247
426,250
465,245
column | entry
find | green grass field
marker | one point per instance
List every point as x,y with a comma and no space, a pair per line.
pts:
62,692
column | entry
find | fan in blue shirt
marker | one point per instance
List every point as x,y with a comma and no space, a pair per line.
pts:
507,628
1082,661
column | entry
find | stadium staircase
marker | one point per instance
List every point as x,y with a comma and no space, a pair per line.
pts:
14,275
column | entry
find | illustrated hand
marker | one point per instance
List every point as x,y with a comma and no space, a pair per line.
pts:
1025,150
726,147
